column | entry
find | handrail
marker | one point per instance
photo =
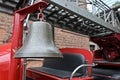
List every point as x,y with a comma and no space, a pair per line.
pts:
80,66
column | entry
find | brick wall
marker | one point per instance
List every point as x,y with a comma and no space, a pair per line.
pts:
6,22
63,38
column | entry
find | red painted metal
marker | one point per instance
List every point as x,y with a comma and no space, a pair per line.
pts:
16,43
109,47
107,63
4,61
35,75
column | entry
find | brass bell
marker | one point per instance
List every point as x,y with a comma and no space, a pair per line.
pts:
39,42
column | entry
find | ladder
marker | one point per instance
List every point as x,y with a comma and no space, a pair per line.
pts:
71,17
67,15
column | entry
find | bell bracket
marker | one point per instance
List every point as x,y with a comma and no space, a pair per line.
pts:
19,16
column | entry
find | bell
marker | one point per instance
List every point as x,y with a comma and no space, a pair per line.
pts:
39,42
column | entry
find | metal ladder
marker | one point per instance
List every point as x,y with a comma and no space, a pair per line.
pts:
66,15
71,17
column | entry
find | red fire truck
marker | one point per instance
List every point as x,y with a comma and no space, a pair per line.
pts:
64,63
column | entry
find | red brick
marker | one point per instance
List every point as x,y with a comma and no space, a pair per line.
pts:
6,22
64,38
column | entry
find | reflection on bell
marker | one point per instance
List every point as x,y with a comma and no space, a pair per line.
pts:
39,42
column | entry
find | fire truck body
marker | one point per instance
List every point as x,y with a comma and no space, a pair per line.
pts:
5,51
35,74
73,58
